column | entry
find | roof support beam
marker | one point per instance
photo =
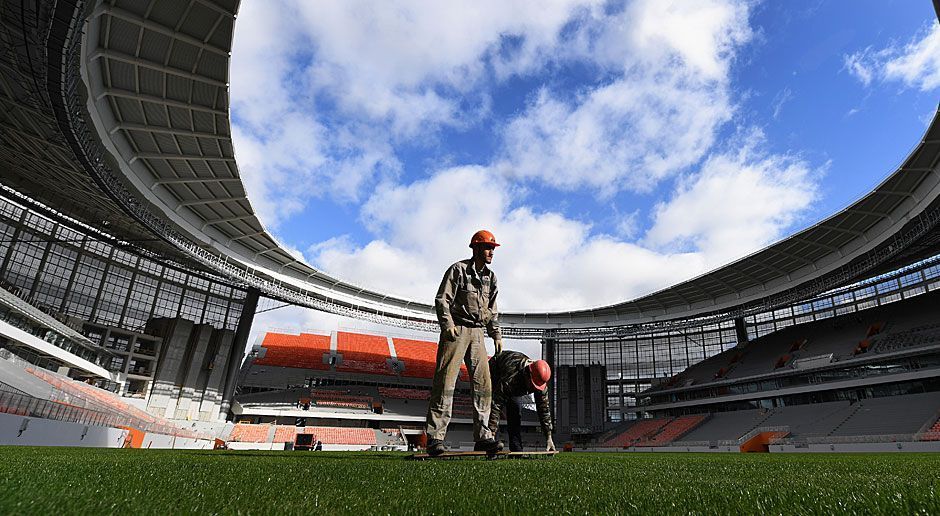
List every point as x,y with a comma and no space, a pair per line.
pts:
830,248
773,268
797,258
216,8
143,97
246,235
900,193
160,155
210,201
126,126
117,12
136,61
193,180
846,231
215,222
878,214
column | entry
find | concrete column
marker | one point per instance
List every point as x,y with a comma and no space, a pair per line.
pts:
238,347
166,379
212,394
740,331
188,405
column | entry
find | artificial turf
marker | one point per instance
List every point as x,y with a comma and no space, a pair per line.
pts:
101,481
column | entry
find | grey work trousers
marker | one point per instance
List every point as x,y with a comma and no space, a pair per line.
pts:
470,349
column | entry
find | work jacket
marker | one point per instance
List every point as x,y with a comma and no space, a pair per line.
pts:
467,297
509,380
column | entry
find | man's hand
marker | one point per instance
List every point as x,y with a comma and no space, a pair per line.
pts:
498,342
549,444
451,333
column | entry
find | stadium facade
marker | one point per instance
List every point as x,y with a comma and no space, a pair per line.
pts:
132,257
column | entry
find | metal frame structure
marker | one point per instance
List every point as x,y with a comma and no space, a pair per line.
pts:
138,94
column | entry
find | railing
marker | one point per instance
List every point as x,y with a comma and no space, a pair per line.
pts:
759,430
25,405
847,439
680,444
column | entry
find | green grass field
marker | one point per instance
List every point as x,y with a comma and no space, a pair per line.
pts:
69,480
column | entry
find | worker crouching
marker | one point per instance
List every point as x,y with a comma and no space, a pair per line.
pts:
514,376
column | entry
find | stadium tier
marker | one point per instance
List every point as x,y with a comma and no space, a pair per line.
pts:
288,379
352,353
132,259
326,435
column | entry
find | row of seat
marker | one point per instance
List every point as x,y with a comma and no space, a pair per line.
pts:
672,430
254,433
888,328
643,428
360,353
80,394
401,393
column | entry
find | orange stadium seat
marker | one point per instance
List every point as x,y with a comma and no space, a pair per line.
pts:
642,429
327,398
404,394
302,351
284,434
363,353
420,358
672,431
342,435
248,433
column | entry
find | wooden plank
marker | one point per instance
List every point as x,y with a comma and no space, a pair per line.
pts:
481,454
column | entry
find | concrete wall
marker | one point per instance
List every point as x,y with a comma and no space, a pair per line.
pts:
157,441
858,447
27,431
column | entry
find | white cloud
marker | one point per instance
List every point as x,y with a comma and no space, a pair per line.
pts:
916,64
659,114
861,66
547,261
782,97
388,72
417,63
737,204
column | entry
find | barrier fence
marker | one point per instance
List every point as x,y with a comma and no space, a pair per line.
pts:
25,405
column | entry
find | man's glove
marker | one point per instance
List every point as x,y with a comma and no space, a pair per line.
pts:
451,333
498,341
549,444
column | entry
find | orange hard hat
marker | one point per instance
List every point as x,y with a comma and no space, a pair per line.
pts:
483,237
539,373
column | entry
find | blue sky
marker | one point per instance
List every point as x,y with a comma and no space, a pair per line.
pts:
614,147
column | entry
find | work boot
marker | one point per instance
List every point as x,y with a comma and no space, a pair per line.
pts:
436,447
488,445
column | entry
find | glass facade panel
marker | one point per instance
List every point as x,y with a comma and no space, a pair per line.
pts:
66,271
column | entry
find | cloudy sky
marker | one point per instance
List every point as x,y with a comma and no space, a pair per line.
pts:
614,148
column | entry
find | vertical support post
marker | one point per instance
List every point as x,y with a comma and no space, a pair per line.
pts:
740,331
238,347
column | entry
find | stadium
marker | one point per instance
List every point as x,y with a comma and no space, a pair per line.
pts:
132,266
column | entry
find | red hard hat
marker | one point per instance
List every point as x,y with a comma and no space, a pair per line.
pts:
483,237
539,373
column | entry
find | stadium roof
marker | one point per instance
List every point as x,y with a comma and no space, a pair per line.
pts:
147,122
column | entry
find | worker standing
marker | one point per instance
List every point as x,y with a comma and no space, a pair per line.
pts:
465,305
515,376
